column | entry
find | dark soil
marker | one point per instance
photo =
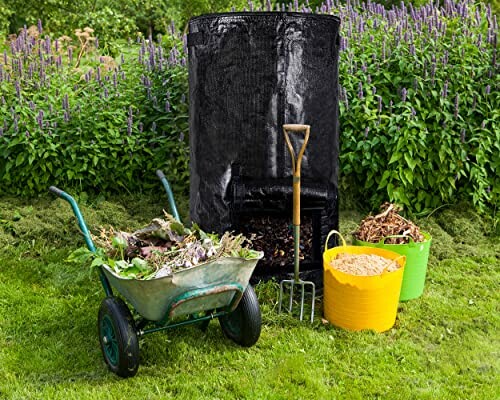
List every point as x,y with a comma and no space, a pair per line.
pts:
274,236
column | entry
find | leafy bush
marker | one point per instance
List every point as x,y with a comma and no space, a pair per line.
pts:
419,110
71,117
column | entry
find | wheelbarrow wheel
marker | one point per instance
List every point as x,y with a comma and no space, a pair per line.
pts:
243,325
118,337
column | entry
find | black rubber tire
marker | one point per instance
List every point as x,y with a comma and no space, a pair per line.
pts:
244,324
122,356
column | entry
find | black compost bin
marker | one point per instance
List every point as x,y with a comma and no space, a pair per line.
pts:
250,73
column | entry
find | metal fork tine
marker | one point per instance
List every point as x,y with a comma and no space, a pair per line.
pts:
302,302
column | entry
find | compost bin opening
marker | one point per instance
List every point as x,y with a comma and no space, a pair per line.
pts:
250,73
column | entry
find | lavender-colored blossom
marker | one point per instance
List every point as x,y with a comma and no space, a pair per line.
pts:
487,91
18,89
360,90
32,105
27,134
379,104
39,119
47,45
70,54
1,131
98,74
141,127
413,112
2,99
39,25
404,93
374,90
445,90
483,124
153,126
65,102
66,116
366,131
167,106
106,93
96,42
462,135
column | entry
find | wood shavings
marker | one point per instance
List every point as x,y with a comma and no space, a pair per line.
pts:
363,264
388,223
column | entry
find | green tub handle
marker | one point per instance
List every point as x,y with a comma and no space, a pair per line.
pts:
411,242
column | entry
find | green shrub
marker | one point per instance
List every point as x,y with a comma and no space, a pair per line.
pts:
420,104
419,109
91,121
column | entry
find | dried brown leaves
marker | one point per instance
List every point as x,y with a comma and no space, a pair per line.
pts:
388,223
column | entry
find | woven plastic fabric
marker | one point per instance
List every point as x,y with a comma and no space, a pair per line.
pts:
250,73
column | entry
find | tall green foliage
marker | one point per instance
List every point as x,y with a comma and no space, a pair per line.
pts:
419,108
105,125
420,104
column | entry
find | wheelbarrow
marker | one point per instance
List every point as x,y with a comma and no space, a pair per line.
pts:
216,289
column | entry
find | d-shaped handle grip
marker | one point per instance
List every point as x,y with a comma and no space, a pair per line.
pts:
296,161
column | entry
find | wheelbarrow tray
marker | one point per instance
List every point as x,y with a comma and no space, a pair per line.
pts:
208,286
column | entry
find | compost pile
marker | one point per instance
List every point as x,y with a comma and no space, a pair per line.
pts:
363,264
274,236
388,223
165,247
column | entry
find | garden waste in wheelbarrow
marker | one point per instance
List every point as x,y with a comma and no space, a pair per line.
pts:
216,289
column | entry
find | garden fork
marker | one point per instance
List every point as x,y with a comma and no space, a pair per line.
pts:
296,161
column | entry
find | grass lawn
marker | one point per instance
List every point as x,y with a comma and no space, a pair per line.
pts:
444,345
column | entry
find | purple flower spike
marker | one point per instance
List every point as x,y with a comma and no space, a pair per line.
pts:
366,131
1,131
360,90
404,93
153,126
40,30
413,112
488,90
379,104
374,90
27,134
167,106
462,136
445,90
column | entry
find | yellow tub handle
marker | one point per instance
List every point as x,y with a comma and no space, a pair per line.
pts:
390,262
338,234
